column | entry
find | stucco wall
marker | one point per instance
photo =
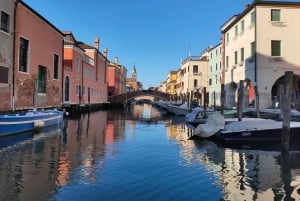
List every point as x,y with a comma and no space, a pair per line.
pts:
269,69
44,42
6,56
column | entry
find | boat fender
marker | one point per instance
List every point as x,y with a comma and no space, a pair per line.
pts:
201,114
38,124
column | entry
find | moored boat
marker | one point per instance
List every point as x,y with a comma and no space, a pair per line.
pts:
198,116
11,124
213,124
256,129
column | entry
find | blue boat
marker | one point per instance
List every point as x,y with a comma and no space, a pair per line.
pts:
11,124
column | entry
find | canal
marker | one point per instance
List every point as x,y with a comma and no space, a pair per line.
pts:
135,155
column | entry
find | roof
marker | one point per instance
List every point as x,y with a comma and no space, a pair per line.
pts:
249,7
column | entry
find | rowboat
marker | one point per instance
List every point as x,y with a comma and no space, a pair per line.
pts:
11,124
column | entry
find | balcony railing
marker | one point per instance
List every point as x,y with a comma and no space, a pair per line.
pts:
191,58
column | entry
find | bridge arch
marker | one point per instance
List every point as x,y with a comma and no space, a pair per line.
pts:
125,97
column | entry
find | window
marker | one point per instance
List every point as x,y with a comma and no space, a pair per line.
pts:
210,81
227,38
78,90
236,30
195,83
216,66
78,64
252,18
275,15
23,55
242,26
4,21
56,61
42,79
242,54
235,57
275,48
3,75
195,68
253,49
227,61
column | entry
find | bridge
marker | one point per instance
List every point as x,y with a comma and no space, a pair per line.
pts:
125,97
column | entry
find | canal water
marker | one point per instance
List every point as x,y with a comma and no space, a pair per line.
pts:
135,155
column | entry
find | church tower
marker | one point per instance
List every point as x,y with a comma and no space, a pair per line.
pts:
133,74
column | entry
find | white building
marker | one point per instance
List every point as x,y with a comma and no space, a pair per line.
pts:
259,46
192,77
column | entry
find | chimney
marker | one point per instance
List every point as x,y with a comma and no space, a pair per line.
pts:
116,60
247,6
96,41
105,52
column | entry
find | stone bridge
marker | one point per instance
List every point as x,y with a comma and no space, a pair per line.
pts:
125,97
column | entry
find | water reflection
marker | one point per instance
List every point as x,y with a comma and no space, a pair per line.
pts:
244,174
85,156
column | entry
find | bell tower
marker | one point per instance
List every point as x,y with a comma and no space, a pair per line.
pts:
133,73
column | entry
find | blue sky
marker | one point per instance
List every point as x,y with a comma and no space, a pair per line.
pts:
153,35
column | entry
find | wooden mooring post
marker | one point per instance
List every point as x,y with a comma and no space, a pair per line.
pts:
286,111
205,100
256,101
222,98
214,101
240,100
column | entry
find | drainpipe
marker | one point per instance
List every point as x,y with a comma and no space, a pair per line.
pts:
82,66
14,56
255,39
62,73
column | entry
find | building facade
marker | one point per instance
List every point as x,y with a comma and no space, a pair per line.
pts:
259,49
192,78
73,62
171,82
7,9
94,74
116,78
84,73
38,61
215,75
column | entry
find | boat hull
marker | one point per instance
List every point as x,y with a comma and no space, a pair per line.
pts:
18,123
257,135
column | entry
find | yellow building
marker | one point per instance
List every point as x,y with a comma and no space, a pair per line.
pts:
171,82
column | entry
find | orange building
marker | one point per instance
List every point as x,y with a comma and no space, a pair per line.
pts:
116,78
84,73
38,55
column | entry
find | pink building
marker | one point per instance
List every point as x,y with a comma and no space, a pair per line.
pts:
38,54
84,73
